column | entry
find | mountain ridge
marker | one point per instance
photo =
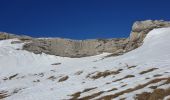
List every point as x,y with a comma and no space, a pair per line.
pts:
140,74
81,48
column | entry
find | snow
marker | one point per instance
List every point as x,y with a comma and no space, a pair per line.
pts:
33,70
167,97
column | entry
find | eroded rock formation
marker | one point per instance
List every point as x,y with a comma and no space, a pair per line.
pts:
81,48
4,35
140,30
75,48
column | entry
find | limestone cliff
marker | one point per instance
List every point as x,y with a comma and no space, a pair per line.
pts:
4,35
140,30
75,48
81,48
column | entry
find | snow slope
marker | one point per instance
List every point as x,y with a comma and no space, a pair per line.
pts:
28,76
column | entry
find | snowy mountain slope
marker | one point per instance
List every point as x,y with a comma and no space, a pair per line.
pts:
28,76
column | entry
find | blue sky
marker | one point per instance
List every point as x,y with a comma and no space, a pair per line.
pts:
78,19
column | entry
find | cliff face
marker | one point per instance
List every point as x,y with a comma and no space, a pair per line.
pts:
140,30
69,47
81,48
75,48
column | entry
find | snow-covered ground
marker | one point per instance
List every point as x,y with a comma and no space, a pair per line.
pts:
28,76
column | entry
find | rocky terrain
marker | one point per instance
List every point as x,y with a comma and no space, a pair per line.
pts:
81,48
140,74
140,29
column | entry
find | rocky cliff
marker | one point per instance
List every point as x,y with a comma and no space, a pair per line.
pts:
81,48
76,48
4,35
140,30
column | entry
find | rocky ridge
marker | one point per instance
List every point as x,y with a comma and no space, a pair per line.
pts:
82,48
140,29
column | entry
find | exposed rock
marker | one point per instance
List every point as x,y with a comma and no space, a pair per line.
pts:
140,30
56,64
63,79
82,48
75,48
4,35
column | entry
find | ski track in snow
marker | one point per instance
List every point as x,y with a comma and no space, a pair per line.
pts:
28,76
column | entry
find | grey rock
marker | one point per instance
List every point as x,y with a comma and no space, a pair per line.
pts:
140,29
82,48
4,35
75,48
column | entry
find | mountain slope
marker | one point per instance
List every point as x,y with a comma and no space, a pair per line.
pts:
28,76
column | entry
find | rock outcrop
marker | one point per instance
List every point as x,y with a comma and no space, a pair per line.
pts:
4,35
140,30
81,48
76,48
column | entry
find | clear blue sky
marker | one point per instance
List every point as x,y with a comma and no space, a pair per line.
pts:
78,19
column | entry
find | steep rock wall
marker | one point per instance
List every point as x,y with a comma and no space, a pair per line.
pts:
82,48
76,48
140,30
